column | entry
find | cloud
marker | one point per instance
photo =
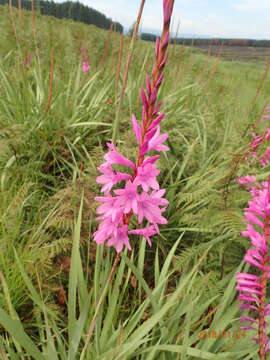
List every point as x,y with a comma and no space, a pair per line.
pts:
245,5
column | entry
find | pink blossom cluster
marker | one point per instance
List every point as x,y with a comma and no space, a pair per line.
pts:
140,194
252,287
136,191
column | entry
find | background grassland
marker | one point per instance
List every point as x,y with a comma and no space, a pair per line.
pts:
51,272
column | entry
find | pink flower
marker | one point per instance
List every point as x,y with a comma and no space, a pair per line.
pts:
146,177
85,66
149,209
114,157
246,179
109,206
136,129
107,228
156,143
127,198
120,239
146,232
110,177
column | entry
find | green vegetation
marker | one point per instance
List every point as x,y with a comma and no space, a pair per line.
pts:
69,10
51,272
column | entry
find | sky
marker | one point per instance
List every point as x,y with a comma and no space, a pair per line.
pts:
213,18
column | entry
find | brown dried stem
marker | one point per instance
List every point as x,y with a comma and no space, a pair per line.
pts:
259,87
12,21
106,50
213,70
20,12
119,66
181,57
51,82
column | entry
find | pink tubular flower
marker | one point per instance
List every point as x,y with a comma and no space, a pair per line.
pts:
141,195
110,177
147,177
113,157
149,209
146,232
252,288
127,198
85,66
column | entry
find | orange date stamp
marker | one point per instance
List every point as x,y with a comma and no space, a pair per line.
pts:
225,334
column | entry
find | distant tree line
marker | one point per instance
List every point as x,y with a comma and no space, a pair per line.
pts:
209,42
69,10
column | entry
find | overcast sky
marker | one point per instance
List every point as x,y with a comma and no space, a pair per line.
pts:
217,18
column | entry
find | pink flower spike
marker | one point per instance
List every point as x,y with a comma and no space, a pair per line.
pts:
136,129
146,177
266,117
127,198
156,143
146,232
114,157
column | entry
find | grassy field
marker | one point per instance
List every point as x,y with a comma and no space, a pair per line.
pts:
52,138
256,55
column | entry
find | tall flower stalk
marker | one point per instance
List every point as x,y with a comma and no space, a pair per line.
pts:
252,286
140,194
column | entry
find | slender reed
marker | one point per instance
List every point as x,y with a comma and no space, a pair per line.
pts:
12,21
51,82
181,57
20,13
259,89
175,39
104,58
205,66
213,70
129,58
119,66
33,19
